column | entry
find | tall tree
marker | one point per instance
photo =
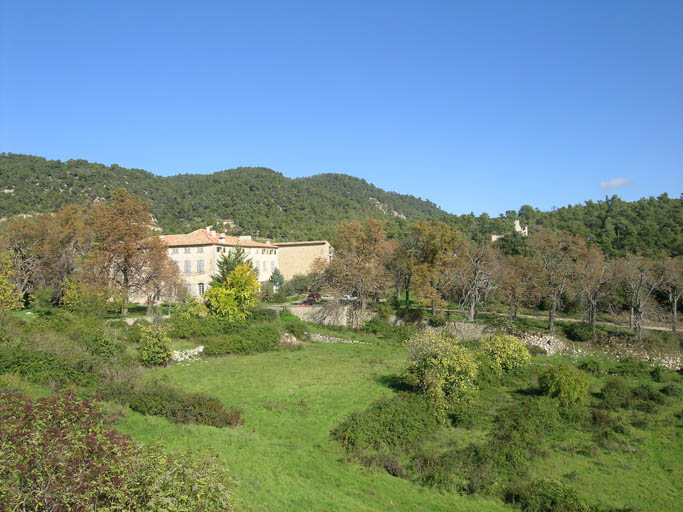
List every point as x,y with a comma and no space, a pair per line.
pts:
474,271
359,266
228,262
160,276
123,245
640,279
595,276
555,253
672,285
517,281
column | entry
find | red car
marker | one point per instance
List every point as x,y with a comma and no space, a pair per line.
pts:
305,303
313,296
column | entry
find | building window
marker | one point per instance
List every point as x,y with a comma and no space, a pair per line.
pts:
200,288
200,266
174,250
187,266
200,250
218,249
189,288
188,250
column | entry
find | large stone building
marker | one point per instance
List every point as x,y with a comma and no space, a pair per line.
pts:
298,257
197,254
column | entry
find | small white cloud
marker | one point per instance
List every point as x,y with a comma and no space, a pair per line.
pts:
615,183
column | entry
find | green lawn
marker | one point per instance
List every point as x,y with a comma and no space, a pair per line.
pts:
282,457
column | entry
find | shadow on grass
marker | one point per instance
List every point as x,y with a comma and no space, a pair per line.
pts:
395,382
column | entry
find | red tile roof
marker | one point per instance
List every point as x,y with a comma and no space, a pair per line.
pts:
205,237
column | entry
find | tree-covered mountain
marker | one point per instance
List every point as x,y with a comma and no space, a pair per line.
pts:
251,200
259,201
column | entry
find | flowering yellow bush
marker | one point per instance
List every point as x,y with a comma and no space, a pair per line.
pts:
441,368
505,352
236,297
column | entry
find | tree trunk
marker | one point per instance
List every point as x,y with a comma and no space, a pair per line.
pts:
551,315
473,308
630,319
124,304
638,322
593,319
674,316
407,286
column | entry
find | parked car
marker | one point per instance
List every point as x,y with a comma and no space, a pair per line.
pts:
305,303
327,297
313,296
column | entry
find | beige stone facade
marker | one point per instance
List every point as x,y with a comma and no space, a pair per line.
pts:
298,257
197,255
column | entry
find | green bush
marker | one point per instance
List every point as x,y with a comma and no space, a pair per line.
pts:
401,421
100,344
544,495
134,331
438,320
64,457
505,352
615,393
298,330
632,366
156,348
565,383
263,315
44,367
249,339
440,368
157,399
591,365
578,331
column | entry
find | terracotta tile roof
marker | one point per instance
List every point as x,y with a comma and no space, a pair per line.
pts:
206,237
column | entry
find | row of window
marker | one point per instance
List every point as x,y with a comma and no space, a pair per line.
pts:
261,266
200,289
200,250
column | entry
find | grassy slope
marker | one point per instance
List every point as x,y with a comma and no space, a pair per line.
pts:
283,457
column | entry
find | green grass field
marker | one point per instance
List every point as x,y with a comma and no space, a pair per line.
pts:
282,457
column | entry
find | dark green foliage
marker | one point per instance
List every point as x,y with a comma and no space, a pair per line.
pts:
229,262
565,383
615,393
578,331
259,201
388,331
593,366
438,320
657,373
672,390
185,326
631,366
249,339
45,367
134,331
401,421
157,399
544,495
296,329
64,457
100,344
263,315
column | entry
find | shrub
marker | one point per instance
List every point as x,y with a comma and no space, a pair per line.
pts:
565,383
65,458
157,399
244,340
615,393
441,368
44,367
544,495
134,331
263,315
505,352
671,390
632,366
401,421
592,365
298,330
100,344
578,331
657,373
156,349
438,320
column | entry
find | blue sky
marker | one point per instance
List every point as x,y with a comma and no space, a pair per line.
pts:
477,106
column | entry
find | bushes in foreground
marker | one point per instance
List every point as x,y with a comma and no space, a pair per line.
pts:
398,422
58,454
161,400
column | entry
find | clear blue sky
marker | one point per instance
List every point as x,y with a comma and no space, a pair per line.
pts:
478,106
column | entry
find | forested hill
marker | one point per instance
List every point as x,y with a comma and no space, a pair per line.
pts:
259,201
251,200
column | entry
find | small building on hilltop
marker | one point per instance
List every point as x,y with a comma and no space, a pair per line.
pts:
518,229
197,255
298,257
